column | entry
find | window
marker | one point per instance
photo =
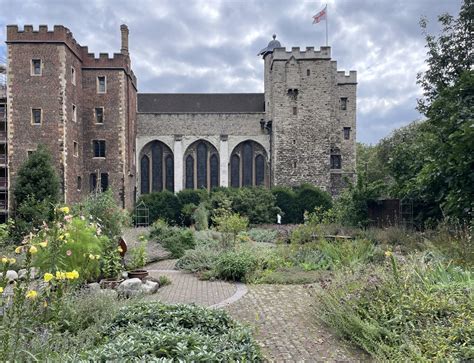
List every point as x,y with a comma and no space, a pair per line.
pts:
295,110
335,161
36,67
93,182
343,103
76,149
79,183
347,133
29,152
74,113
294,164
99,148
104,181
2,111
73,76
308,72
36,116
99,115
101,84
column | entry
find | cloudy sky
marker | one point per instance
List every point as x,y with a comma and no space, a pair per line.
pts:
211,45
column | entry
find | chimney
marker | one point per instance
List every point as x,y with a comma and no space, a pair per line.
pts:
124,31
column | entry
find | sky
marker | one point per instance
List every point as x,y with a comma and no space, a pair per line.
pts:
212,45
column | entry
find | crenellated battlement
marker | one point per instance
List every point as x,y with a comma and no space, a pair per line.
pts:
309,53
343,78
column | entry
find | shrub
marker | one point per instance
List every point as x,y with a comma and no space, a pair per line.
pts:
162,205
201,217
147,331
308,197
139,254
231,224
236,265
257,204
416,312
192,196
202,258
286,201
263,235
103,209
176,240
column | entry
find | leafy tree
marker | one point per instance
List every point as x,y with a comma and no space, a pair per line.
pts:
37,179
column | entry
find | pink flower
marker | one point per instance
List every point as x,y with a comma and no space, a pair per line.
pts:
68,218
69,252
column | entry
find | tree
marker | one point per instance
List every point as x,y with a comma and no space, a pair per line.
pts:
37,179
448,86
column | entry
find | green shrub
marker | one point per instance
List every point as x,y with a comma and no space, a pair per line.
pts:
263,235
192,196
417,312
286,201
203,258
236,265
162,205
201,217
103,208
150,331
176,240
164,280
231,224
257,204
139,254
309,197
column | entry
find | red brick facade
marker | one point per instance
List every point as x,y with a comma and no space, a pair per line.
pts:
68,124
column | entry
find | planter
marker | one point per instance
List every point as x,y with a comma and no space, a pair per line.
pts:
140,274
110,283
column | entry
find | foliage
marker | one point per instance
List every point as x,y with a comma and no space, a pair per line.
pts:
308,197
162,205
263,235
201,217
30,215
139,254
286,201
176,240
192,196
257,204
164,280
112,265
70,243
37,178
103,209
147,331
231,224
236,265
417,311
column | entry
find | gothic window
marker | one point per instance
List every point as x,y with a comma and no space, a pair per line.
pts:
347,133
235,171
201,165
248,165
145,175
169,173
214,166
259,170
189,172
344,103
156,168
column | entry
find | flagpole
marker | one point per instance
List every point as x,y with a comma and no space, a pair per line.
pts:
326,25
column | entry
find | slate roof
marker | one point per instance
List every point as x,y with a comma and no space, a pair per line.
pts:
201,102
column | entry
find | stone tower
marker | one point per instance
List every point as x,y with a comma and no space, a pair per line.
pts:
310,109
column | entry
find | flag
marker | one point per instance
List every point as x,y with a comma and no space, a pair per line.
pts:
320,16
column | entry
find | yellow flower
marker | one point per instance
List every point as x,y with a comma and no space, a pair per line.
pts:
97,257
12,260
61,237
72,275
120,249
33,250
1,289
67,235
48,277
43,244
31,294
91,256
388,253
60,275
45,304
18,249
64,210
4,260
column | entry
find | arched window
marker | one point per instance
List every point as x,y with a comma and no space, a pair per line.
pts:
248,166
201,165
156,168
145,175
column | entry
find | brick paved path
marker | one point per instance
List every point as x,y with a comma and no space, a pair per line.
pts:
285,325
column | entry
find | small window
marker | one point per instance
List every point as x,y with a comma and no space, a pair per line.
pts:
308,72
295,110
93,182
36,67
294,164
99,148
99,115
76,149
73,76
74,113
343,103
104,181
101,84
79,183
347,133
335,161
36,116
